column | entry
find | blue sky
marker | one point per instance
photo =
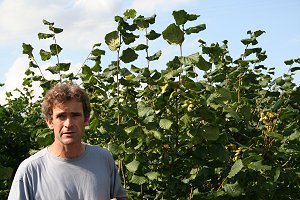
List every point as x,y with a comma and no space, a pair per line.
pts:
85,22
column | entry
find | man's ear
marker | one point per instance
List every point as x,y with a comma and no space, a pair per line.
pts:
49,122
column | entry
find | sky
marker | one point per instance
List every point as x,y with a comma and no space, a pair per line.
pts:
86,22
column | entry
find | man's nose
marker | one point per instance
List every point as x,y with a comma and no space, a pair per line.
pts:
68,121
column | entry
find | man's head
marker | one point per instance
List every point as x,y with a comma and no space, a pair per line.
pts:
62,93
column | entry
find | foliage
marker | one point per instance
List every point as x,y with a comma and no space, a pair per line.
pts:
231,133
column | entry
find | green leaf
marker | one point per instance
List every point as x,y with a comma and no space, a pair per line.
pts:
98,52
130,13
97,45
28,72
156,134
140,47
277,174
86,70
152,35
128,38
224,94
44,137
180,17
277,105
251,51
139,180
165,124
195,29
5,172
293,69
45,22
234,190
141,22
258,166
149,119
220,96
129,77
133,166
173,35
156,56
192,17
295,135
45,55
27,49
144,111
55,30
209,132
53,69
251,158
231,113
186,119
259,33
55,49
130,129
152,175
151,20
297,60
128,55
203,64
112,40
174,64
289,62
189,60
172,74
248,41
45,35
236,168
115,149
63,66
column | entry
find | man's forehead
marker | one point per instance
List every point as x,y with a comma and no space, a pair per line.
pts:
74,106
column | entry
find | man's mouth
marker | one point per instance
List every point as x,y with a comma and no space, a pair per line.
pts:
68,133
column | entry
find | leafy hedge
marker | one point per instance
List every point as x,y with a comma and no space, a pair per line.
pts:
206,126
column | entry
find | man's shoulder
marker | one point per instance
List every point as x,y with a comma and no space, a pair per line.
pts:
35,157
98,149
100,153
27,164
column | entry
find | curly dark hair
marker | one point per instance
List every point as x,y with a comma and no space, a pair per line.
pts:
64,92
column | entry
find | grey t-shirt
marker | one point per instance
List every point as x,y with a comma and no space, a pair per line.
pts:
92,176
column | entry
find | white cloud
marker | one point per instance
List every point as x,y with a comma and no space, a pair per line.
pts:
14,77
16,73
84,22
153,6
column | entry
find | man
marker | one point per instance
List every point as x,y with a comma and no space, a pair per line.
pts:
68,169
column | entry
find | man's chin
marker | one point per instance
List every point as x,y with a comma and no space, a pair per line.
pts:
66,140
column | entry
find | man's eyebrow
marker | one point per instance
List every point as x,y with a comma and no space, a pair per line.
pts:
75,113
60,113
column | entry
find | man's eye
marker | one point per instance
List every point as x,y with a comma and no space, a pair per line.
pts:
61,116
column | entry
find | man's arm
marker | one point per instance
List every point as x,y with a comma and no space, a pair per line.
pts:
18,190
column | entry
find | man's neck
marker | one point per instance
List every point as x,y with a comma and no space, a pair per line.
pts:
67,151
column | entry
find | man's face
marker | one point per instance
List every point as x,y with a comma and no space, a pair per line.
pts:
68,122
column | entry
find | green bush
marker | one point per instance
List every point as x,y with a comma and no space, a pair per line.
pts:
206,126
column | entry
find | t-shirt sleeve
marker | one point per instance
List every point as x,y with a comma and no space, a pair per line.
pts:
20,187
116,188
